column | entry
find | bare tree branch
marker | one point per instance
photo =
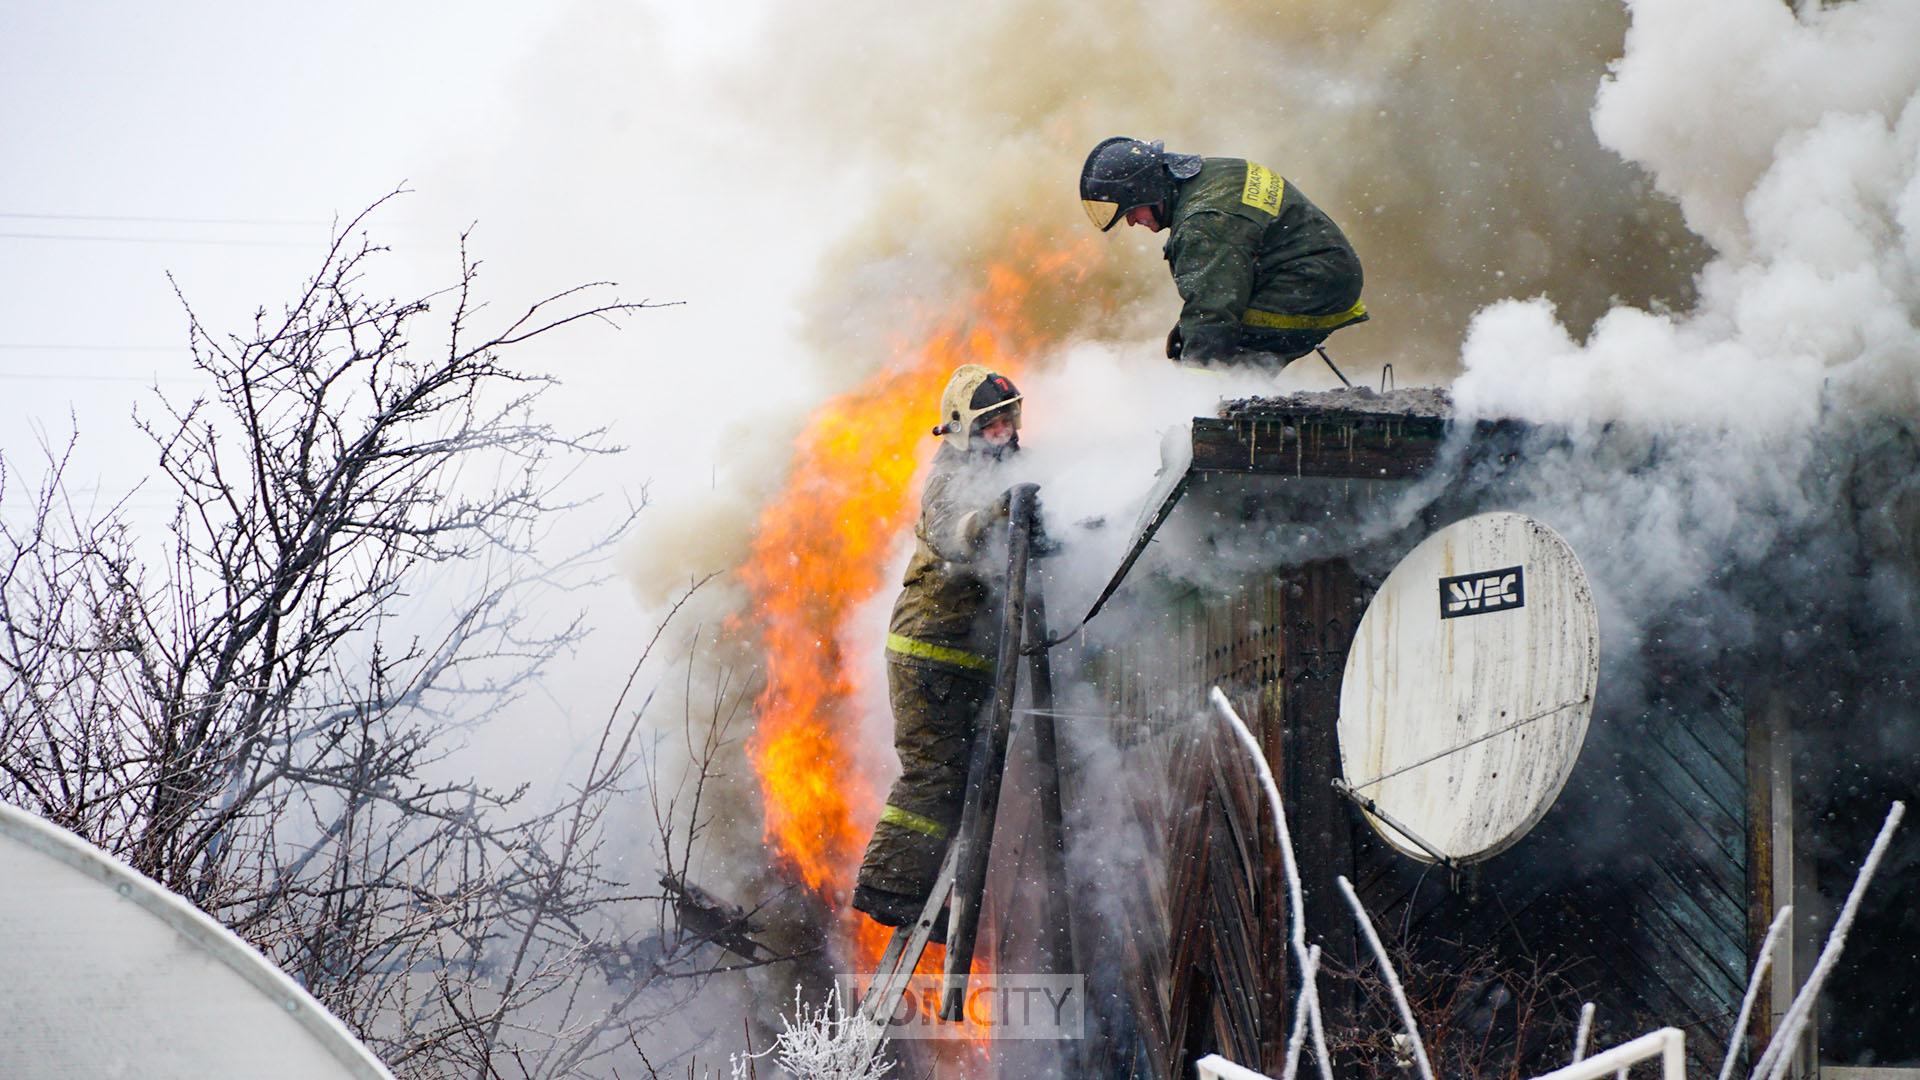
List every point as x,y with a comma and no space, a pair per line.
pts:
250,712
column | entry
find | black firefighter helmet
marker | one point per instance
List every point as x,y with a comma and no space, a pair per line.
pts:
1124,173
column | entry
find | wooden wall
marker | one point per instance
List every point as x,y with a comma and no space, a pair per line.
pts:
1634,885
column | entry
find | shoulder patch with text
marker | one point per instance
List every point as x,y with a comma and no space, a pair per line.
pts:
1264,188
1477,594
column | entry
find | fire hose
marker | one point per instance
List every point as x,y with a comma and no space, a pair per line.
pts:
1160,515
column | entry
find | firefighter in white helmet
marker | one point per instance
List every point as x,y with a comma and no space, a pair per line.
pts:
941,643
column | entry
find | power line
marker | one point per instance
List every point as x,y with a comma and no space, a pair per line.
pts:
18,505
51,347
157,240
70,377
266,222
74,376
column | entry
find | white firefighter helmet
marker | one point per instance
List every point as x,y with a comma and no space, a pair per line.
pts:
973,394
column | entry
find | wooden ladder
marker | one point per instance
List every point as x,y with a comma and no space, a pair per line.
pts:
961,884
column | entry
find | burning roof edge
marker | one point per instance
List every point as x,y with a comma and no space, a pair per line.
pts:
1348,434
1355,434
1413,401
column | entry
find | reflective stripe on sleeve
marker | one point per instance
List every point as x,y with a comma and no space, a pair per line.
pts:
926,650
1275,321
907,819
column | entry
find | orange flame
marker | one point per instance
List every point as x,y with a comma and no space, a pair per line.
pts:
819,553
820,549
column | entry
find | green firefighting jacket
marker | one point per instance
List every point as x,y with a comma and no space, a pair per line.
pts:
1256,262
944,618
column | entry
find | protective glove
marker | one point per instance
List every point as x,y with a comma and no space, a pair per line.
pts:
1039,544
1042,546
1174,343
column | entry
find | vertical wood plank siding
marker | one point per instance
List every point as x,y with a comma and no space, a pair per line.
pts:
1636,881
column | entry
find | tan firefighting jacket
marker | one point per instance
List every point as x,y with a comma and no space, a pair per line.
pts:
944,617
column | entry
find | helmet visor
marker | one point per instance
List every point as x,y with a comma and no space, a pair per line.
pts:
1008,412
1103,214
1008,409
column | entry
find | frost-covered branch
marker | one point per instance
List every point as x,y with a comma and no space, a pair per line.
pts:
1779,1053
824,1043
1309,1000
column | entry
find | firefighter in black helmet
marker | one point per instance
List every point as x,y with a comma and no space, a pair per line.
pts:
941,643
1264,273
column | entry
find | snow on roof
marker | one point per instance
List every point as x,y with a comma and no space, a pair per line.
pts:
1426,402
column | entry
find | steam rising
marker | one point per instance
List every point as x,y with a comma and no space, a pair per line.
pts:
1450,141
1729,404
1452,144
1739,423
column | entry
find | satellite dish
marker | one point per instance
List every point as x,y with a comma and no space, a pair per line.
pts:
1468,688
105,974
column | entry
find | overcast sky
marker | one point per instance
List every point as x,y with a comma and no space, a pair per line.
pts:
218,141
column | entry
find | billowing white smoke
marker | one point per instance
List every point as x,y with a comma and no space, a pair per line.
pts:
1792,143
1789,143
